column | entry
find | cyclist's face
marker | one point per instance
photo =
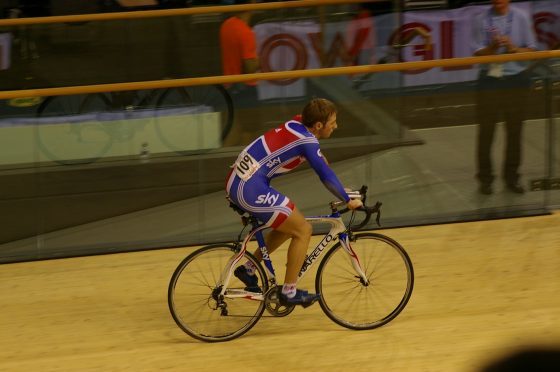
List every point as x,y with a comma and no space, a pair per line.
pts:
501,6
328,127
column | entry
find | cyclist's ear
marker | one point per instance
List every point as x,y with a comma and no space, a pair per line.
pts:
316,128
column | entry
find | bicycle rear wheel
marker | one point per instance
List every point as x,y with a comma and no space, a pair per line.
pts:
355,305
193,296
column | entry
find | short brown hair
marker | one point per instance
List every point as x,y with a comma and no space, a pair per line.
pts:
318,109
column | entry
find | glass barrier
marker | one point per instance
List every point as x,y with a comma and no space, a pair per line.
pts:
554,146
123,171
550,84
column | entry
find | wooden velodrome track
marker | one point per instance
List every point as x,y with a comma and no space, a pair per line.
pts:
482,289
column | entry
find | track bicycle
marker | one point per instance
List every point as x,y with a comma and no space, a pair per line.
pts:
365,280
95,137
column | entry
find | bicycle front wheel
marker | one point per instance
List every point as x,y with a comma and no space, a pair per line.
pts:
193,296
354,304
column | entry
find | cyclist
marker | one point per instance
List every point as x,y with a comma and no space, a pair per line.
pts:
248,186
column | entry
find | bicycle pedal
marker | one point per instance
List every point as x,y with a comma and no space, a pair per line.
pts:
305,305
302,298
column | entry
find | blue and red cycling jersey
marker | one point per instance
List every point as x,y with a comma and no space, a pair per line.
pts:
276,152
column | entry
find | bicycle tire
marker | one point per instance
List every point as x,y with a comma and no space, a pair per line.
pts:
191,301
350,303
175,135
61,142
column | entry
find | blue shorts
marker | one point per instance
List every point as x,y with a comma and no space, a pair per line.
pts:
259,199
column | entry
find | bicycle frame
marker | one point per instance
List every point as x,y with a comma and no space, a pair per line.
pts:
338,231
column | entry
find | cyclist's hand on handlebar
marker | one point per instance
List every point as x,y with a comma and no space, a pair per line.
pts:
354,204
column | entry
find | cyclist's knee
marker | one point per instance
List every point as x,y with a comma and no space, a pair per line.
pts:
296,226
303,230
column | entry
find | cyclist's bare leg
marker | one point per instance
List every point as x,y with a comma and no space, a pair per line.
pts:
300,230
273,240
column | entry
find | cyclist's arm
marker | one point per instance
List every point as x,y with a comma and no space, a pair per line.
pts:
250,65
249,51
312,153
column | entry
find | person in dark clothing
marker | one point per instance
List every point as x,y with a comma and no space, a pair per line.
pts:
502,89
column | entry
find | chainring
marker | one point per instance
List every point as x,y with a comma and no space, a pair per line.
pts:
273,305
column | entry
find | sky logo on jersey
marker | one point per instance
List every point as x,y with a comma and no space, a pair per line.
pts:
273,162
269,199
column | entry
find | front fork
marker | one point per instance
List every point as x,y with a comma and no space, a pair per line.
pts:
347,245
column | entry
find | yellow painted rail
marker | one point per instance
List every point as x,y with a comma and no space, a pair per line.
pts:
173,12
210,80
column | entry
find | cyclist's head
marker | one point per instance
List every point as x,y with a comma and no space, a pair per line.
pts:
317,110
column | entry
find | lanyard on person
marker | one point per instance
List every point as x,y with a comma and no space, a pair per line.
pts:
496,69
494,31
